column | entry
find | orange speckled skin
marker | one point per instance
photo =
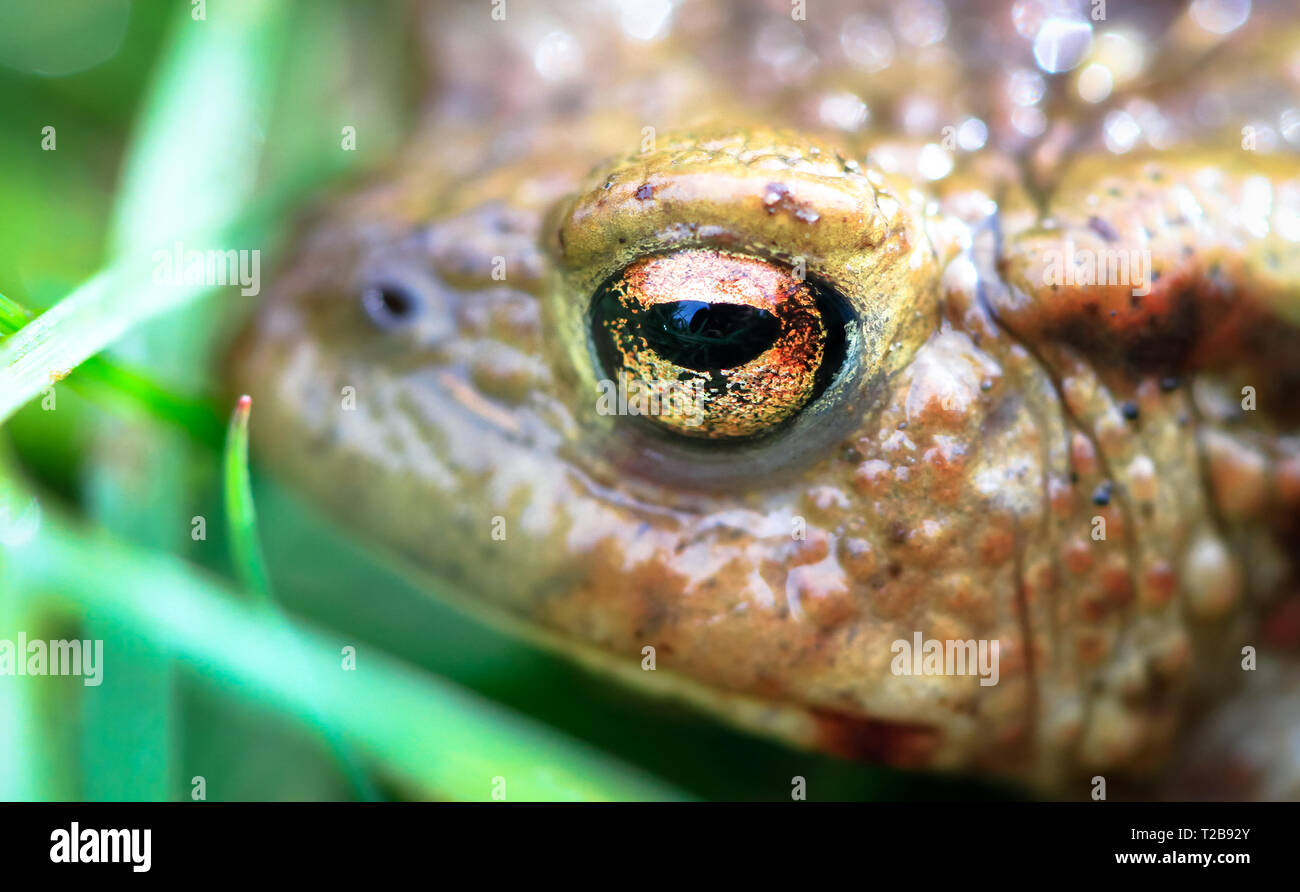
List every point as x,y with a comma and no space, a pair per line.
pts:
950,482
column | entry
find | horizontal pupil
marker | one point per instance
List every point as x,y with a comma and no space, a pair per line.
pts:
708,336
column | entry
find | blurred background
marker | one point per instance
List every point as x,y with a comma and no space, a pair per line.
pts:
121,124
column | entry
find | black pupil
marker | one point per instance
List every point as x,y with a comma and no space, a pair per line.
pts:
706,336
389,306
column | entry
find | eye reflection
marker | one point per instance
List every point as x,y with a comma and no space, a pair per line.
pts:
740,343
703,336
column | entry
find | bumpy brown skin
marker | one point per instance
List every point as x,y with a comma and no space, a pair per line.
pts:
949,482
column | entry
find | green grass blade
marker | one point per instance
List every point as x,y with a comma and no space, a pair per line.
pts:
191,174
193,162
13,316
107,380
250,564
241,514
190,171
436,737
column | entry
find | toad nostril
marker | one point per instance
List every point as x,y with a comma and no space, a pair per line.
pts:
390,306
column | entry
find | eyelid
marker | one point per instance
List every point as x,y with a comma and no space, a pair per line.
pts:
755,200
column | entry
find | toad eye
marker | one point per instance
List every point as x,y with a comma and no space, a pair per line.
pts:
718,345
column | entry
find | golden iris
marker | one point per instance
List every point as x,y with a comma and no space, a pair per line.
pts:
724,345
